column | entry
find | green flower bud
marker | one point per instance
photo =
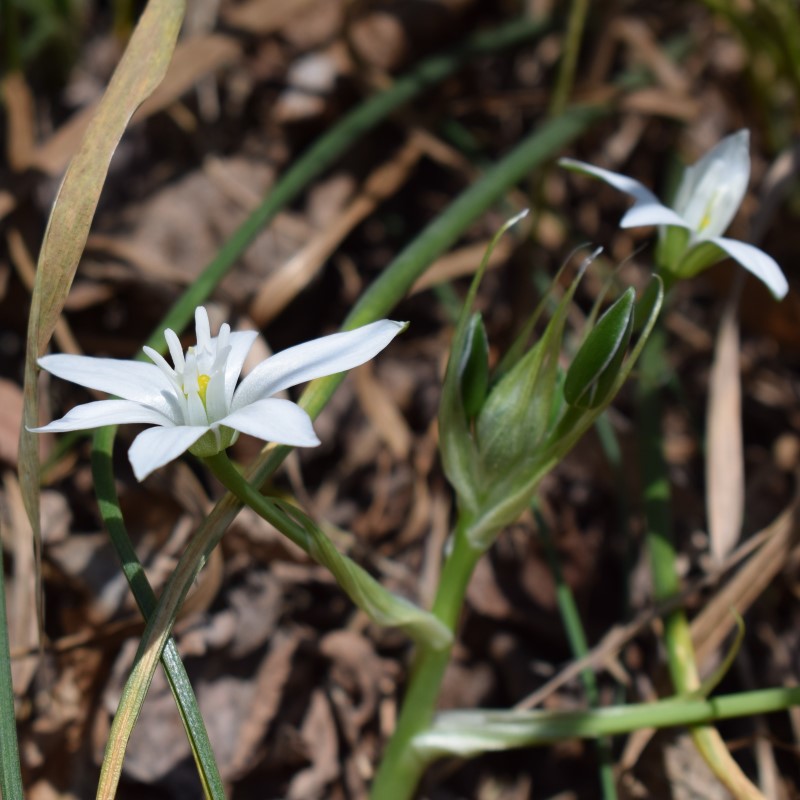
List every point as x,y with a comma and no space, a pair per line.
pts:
474,367
595,367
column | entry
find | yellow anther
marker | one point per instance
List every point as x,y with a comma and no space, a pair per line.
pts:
202,385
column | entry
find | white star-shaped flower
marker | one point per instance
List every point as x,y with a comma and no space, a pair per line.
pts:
195,404
708,198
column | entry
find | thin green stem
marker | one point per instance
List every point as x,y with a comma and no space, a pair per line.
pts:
576,635
402,766
657,500
470,733
569,58
230,477
666,582
381,605
10,775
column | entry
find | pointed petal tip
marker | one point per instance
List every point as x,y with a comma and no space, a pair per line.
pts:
757,262
743,134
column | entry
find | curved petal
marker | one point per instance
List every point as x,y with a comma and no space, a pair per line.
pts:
240,344
274,420
130,380
315,359
175,349
712,190
647,208
202,328
155,447
105,412
756,261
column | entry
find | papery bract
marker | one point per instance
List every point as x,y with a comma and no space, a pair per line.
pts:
195,404
706,202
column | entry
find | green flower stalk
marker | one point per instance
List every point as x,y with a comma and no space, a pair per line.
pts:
499,435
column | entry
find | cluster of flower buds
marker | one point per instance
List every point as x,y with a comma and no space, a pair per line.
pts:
501,433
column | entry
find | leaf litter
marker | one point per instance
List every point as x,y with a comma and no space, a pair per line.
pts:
297,689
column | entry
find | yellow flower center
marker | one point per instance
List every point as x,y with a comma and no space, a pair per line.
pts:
202,385
709,212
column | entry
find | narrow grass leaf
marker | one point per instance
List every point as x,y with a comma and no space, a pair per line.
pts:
466,734
108,502
10,775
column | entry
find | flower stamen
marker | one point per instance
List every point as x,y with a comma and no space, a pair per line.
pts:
202,386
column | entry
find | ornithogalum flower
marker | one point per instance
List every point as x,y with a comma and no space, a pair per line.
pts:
707,199
195,404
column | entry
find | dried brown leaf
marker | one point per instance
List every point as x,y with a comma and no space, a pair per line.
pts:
18,101
464,261
724,443
10,420
715,622
263,16
268,691
280,288
383,413
22,631
26,269
319,733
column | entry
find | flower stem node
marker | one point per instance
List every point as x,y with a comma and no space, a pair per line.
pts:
195,404
708,197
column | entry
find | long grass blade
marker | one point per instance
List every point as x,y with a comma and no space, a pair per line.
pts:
10,775
108,502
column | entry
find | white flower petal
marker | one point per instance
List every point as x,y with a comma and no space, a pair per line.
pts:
130,380
647,209
240,344
274,420
756,261
196,410
175,349
162,364
223,335
202,329
216,405
712,189
315,359
155,447
105,412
